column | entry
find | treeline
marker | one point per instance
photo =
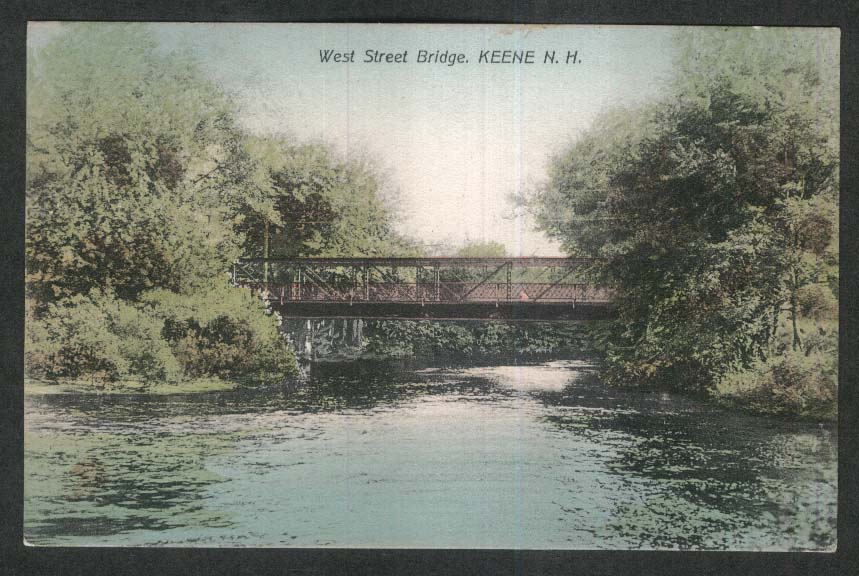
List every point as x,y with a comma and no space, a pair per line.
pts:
142,189
715,214
483,341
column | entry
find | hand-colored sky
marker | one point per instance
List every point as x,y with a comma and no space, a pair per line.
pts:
455,142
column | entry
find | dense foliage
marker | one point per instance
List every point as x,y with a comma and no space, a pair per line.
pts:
100,338
221,331
137,180
714,213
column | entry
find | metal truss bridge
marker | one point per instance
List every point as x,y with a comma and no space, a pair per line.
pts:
521,289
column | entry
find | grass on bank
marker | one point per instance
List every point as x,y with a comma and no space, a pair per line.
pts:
793,385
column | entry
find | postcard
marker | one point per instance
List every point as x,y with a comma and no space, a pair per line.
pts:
431,286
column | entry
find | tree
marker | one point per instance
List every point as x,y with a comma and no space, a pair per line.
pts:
711,209
482,250
791,78
129,184
317,204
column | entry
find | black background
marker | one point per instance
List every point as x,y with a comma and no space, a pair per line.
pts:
15,558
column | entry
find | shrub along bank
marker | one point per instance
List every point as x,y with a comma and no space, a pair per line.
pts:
163,339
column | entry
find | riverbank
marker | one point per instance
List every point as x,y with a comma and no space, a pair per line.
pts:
749,399
759,403
198,385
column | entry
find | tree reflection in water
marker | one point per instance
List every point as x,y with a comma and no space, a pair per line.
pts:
702,475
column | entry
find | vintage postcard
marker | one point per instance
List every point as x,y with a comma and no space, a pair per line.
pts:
431,286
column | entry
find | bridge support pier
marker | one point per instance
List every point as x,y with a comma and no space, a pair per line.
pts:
308,338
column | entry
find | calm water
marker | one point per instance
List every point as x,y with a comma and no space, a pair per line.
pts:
495,457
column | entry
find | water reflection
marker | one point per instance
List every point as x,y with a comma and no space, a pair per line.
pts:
703,477
105,484
363,454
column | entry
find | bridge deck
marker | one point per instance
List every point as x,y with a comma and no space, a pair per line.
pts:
519,312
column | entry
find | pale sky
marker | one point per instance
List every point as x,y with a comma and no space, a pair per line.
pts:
454,141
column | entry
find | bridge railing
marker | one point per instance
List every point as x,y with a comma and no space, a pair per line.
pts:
419,280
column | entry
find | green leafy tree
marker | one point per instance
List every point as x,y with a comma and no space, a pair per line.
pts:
317,204
126,181
713,210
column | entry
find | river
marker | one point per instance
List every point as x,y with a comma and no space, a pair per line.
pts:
366,455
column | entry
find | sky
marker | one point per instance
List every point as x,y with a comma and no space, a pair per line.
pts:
454,142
